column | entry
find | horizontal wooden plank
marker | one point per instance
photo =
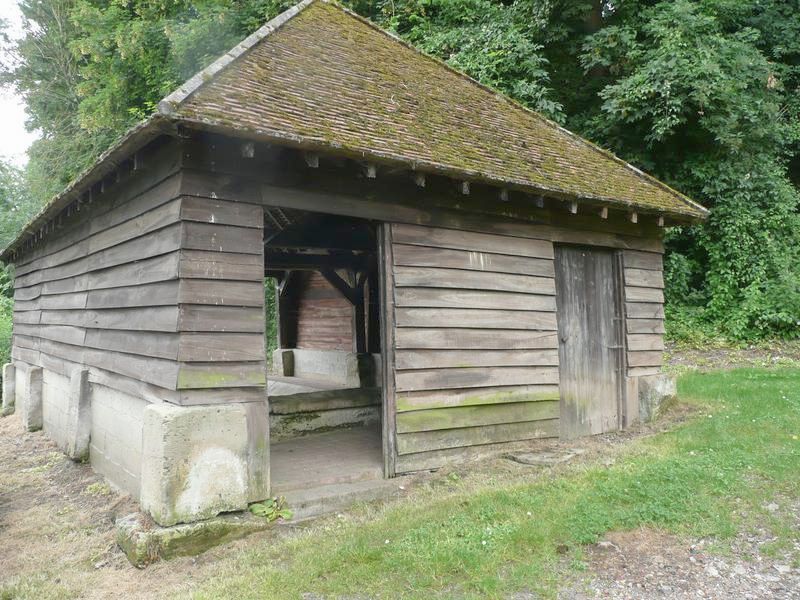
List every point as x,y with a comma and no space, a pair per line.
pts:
474,339
471,260
425,441
644,294
472,280
475,416
654,358
53,302
29,316
437,359
222,212
148,369
195,317
164,293
468,377
158,318
222,238
222,293
59,333
644,310
645,326
143,343
644,278
473,397
221,265
642,260
221,375
640,371
448,298
435,459
475,318
471,241
645,341
223,347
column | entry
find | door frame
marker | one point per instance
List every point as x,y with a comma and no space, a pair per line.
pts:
388,397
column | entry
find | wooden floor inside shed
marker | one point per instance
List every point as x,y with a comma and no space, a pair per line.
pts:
335,457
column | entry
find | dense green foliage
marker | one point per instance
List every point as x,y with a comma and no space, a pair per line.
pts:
703,94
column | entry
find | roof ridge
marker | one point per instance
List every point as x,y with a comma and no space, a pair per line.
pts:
517,105
172,101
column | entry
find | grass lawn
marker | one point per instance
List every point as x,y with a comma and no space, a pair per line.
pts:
481,537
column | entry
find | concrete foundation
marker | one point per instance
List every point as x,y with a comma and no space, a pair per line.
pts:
198,462
655,393
79,416
346,369
29,398
9,388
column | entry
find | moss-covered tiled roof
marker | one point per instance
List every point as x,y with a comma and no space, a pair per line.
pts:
323,77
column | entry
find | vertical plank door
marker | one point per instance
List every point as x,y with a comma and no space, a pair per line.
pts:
589,332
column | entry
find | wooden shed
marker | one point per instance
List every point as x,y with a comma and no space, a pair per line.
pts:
455,274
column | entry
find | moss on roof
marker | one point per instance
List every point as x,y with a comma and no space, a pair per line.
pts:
325,77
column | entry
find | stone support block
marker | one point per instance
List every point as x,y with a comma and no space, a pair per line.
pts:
79,416
30,399
9,388
200,461
656,392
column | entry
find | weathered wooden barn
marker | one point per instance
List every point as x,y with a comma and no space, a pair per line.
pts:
455,273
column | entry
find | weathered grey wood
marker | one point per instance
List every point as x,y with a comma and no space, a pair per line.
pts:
29,316
223,347
221,265
469,436
471,241
645,326
642,260
472,280
437,359
163,293
654,358
222,212
475,416
58,333
143,343
221,292
449,298
143,271
639,371
589,353
435,459
644,294
58,301
470,377
645,341
644,310
386,283
220,318
162,241
478,339
475,318
422,256
220,375
221,238
644,278
631,401
423,400
158,318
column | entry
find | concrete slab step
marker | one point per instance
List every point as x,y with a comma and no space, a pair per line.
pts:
326,499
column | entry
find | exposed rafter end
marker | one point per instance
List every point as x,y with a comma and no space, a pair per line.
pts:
138,161
465,188
660,220
573,207
248,150
604,212
539,201
419,179
371,171
503,195
312,159
633,216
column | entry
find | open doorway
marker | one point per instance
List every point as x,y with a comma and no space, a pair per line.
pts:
323,338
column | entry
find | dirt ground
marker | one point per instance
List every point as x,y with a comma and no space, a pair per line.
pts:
57,532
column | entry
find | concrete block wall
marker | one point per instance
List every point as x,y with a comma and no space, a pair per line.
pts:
55,406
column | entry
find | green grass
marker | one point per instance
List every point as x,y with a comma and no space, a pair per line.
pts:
481,537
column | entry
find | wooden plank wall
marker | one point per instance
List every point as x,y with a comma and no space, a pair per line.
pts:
324,316
476,346
103,291
644,311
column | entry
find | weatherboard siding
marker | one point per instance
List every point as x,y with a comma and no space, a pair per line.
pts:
644,311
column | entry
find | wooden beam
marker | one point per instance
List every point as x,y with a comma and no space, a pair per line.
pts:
539,201
371,171
340,284
301,261
419,179
633,216
604,212
503,195
573,207
312,159
248,150
660,220
465,188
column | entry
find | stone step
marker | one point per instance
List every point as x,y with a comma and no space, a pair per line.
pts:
326,499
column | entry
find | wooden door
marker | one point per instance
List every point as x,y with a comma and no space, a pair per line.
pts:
590,340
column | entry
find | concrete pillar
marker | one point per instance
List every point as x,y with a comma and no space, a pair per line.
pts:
656,392
79,416
200,461
9,388
30,399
